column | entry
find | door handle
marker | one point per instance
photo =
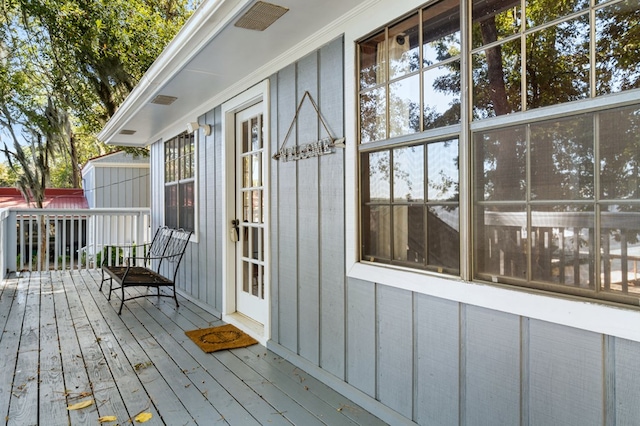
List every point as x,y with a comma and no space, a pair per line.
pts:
234,232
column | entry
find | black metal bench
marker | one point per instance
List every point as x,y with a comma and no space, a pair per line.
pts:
159,264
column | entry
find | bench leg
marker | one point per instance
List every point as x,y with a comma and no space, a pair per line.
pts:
121,301
175,296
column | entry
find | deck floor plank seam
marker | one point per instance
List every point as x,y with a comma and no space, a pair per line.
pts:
207,376
62,342
52,403
9,340
76,379
23,406
144,387
107,398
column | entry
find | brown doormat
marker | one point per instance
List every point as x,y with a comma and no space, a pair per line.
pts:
220,338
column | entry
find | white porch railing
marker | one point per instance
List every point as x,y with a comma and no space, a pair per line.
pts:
38,240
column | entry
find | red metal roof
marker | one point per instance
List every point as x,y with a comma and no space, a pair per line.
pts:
54,198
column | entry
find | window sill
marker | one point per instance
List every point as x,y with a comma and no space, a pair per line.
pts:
585,315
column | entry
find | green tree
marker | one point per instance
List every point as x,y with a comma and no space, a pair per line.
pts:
66,66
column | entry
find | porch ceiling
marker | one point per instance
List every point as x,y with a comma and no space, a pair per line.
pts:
209,56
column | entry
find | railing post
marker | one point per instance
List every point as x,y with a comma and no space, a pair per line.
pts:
10,243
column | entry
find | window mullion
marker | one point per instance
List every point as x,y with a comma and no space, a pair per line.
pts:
464,143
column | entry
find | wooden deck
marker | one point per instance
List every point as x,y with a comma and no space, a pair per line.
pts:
62,342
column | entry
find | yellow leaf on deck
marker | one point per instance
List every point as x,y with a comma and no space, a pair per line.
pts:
79,405
107,419
143,417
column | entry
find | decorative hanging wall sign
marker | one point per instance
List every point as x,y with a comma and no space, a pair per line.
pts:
313,149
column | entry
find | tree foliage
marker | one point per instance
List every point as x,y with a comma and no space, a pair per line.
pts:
66,66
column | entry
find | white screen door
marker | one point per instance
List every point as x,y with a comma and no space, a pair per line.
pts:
251,155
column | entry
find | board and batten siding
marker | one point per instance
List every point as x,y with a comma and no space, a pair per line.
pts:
405,356
307,213
200,273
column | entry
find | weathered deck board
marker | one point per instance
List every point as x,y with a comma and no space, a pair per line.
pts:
62,342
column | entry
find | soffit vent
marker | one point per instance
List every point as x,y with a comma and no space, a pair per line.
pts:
127,132
261,16
163,100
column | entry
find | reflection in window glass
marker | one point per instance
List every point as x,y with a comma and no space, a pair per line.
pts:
443,171
378,179
501,242
373,118
404,55
408,173
443,227
404,106
558,63
442,96
620,154
495,20
562,249
620,238
501,158
617,66
373,61
497,80
441,32
408,230
408,234
377,233
542,12
562,159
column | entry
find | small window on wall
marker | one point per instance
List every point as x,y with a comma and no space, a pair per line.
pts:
179,178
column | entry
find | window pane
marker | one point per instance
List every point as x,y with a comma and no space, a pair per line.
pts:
441,31
562,250
187,212
558,63
442,95
562,159
494,20
500,157
171,206
256,134
541,12
443,226
620,154
376,233
373,115
246,171
256,169
404,56
372,61
376,182
404,106
443,170
501,242
496,80
620,266
408,173
616,64
408,234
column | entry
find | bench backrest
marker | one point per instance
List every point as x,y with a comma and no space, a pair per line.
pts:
159,243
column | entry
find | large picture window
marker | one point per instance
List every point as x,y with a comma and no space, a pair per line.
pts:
179,178
531,130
